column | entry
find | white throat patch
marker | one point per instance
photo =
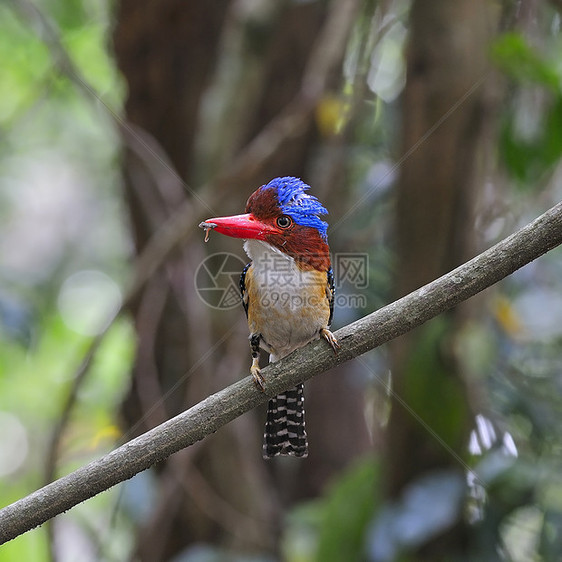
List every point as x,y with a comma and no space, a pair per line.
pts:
278,274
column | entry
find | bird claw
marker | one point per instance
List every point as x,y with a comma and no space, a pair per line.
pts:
259,381
331,339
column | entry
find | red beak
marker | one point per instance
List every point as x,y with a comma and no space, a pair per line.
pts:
239,226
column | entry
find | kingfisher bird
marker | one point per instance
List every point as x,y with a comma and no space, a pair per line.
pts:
287,291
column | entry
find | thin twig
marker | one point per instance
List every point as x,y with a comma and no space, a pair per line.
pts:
60,425
529,243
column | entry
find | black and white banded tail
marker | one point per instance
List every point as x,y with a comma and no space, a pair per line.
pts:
284,428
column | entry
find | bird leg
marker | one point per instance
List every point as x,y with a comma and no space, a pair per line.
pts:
259,381
330,338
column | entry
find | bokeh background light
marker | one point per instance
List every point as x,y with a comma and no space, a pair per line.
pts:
88,301
14,444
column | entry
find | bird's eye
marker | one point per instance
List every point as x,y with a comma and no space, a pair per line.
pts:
284,221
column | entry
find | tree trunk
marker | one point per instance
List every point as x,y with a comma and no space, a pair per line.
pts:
170,54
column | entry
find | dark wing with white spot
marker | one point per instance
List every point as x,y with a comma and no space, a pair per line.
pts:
331,293
243,292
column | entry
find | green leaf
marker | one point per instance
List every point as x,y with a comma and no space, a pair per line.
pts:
431,389
552,143
528,159
519,157
516,58
349,507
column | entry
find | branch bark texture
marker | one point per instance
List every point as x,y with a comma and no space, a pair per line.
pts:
399,317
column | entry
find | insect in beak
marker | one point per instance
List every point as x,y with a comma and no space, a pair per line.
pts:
208,226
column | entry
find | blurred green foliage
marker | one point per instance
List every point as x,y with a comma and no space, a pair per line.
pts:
48,124
28,72
334,527
34,383
430,388
531,143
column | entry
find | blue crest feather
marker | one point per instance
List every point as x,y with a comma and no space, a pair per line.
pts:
303,208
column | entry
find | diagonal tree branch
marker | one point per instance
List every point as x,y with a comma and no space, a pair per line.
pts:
527,244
